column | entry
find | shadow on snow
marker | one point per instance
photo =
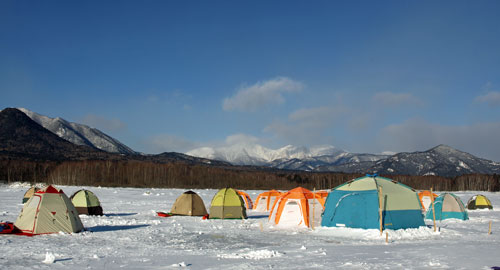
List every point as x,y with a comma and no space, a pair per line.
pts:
119,214
107,228
259,216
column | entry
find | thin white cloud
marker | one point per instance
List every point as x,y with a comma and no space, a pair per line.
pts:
491,98
261,95
104,123
312,114
396,99
361,120
479,139
168,143
307,125
241,138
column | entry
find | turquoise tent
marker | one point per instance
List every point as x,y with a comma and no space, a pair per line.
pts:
355,204
447,205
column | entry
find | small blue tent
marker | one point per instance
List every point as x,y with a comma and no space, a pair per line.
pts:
447,205
355,204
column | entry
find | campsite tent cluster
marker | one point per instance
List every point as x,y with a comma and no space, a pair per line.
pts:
48,210
369,202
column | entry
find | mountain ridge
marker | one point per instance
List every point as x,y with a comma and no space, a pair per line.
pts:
25,137
79,134
441,160
20,136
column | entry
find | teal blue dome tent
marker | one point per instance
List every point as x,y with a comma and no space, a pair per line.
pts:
355,204
447,205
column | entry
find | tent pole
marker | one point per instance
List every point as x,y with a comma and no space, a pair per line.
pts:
433,211
314,203
380,209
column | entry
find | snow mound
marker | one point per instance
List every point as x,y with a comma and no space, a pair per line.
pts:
25,185
49,258
421,233
181,264
253,255
20,185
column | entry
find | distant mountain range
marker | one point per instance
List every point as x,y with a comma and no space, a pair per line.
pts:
254,154
288,157
30,135
441,160
25,139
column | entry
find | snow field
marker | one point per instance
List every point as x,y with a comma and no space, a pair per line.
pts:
131,236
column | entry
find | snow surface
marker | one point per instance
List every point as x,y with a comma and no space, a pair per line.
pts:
131,236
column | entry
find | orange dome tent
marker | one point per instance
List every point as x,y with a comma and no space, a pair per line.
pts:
425,199
265,200
246,198
297,207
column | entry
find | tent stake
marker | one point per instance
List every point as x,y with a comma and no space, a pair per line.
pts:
386,237
380,209
489,230
433,211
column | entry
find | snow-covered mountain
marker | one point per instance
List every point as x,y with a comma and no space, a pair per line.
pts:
313,163
441,160
288,157
79,134
254,154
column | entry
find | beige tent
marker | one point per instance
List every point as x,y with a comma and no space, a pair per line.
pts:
48,211
189,204
86,203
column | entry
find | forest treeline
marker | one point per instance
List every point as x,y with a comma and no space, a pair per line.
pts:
135,173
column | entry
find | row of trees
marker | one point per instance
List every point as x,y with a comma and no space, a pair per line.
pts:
134,173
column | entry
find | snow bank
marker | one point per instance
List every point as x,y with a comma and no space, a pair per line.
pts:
253,255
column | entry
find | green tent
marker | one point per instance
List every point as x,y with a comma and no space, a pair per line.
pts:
86,202
227,203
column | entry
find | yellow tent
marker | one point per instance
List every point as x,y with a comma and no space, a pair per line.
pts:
227,204
479,202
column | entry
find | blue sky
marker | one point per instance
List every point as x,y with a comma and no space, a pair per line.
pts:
364,76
